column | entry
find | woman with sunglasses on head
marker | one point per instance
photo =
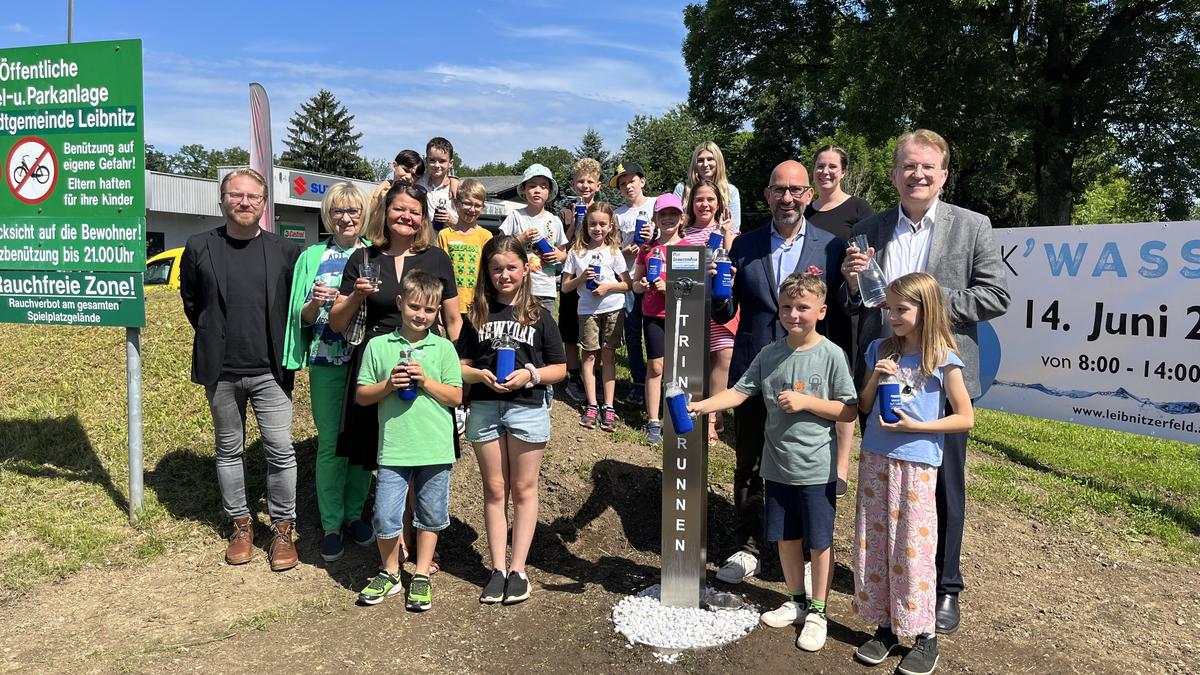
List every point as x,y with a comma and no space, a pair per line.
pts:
310,341
834,210
837,212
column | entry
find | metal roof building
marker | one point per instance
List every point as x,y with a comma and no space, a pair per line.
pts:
179,206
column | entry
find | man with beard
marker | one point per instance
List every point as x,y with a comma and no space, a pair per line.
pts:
762,258
235,282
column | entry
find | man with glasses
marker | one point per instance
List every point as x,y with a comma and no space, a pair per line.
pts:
235,281
956,246
762,258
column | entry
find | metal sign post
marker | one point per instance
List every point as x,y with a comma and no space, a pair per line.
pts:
685,456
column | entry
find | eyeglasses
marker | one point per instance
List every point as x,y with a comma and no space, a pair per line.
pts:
236,197
796,191
338,213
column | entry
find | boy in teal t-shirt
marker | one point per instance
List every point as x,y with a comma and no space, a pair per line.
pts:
807,387
416,435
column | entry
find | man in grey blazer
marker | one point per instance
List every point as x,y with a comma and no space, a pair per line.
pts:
956,246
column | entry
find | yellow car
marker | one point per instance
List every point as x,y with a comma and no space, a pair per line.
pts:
163,269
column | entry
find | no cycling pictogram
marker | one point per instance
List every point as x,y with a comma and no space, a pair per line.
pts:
31,170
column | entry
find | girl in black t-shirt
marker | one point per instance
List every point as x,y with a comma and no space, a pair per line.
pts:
509,422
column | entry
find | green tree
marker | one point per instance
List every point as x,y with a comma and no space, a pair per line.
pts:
1025,91
233,156
488,169
553,157
321,137
663,145
1113,199
157,160
194,159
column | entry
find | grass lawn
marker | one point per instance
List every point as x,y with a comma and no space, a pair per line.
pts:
64,474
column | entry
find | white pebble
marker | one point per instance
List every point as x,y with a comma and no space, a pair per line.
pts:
644,620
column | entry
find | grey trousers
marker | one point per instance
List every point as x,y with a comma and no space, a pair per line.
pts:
273,411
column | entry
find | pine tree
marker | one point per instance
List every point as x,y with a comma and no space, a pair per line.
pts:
321,138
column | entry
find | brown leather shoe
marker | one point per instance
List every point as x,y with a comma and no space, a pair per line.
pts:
283,551
241,542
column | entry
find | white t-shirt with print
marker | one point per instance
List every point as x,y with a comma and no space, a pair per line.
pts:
627,217
612,266
544,279
437,197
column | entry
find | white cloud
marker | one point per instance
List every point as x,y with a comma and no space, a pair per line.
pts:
16,28
490,113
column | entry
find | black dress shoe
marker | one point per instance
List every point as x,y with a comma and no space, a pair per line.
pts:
947,614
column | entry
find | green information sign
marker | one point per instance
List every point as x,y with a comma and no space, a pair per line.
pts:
74,197
75,298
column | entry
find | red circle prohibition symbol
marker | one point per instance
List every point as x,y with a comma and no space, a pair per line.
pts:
30,171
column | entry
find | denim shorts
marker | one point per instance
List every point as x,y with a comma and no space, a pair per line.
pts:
800,512
432,504
525,421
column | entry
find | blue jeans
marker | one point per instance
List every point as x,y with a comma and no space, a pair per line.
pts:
273,410
525,421
431,510
633,338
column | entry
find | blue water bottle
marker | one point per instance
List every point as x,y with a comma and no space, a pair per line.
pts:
677,403
580,211
889,399
408,393
722,284
594,265
637,231
716,240
544,246
506,357
654,266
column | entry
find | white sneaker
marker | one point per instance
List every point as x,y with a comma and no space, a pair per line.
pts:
812,637
787,614
738,567
808,580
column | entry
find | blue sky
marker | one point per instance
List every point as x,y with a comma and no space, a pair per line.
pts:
494,78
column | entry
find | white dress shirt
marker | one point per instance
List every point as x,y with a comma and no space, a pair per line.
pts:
908,251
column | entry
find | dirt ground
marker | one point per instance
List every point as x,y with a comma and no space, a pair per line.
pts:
1042,599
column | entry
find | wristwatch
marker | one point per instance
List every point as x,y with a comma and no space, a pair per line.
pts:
535,378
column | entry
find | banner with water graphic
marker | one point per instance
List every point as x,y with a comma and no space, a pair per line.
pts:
1103,329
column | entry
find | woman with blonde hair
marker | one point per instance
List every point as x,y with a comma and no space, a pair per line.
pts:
708,163
310,341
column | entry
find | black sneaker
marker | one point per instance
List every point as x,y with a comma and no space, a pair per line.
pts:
637,394
332,547
493,592
516,589
921,659
875,650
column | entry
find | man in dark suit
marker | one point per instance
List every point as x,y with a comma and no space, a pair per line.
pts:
235,282
762,258
956,246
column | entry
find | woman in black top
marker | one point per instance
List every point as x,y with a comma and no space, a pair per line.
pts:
833,210
401,238
837,212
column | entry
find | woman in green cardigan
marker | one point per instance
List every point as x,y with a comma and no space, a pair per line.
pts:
341,487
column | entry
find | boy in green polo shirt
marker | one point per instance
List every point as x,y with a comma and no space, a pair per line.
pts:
415,378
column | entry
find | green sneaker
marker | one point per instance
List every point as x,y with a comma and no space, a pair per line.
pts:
381,586
420,594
